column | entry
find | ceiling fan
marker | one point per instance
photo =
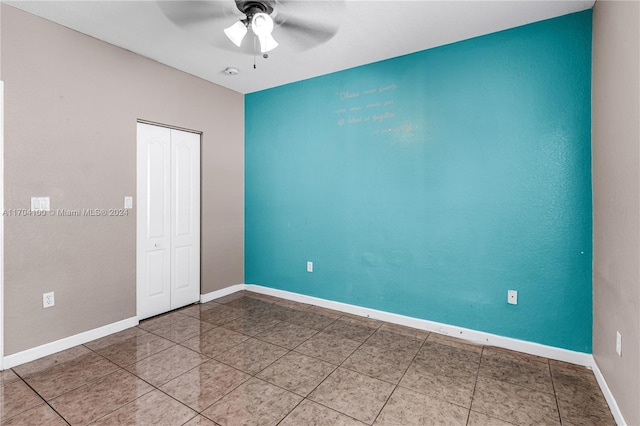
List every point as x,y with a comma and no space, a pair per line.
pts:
295,25
258,17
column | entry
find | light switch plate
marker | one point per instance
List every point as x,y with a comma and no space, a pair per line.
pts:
512,297
309,266
40,204
128,202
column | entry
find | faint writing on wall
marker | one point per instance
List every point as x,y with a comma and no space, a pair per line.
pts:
372,106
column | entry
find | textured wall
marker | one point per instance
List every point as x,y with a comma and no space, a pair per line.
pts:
616,199
70,133
429,184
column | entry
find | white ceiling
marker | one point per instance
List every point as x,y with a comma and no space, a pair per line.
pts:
369,31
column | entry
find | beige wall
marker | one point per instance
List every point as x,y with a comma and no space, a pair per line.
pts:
71,108
0,43
616,199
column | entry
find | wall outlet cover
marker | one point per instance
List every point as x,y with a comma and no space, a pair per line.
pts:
48,300
512,297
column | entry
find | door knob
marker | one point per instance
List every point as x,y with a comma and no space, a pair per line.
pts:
157,244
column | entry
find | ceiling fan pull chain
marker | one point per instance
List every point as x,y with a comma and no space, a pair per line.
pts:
254,52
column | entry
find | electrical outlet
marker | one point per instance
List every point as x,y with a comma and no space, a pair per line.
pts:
48,300
309,266
512,297
618,343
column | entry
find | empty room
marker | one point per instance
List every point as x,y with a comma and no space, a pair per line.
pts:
341,212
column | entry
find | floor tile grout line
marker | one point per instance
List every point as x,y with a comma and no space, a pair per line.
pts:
525,364
124,367
199,412
364,344
290,411
304,398
255,376
327,407
246,372
475,384
340,366
176,399
125,404
307,307
159,352
519,386
401,377
292,350
95,379
217,353
157,388
154,387
192,419
328,375
316,332
164,315
223,395
43,399
555,394
154,354
424,394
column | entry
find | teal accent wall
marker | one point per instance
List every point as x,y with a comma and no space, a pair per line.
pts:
430,184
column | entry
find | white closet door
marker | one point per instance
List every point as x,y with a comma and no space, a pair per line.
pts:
153,220
168,219
185,218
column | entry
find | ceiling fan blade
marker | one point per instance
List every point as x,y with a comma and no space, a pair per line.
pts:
304,24
321,9
194,12
302,32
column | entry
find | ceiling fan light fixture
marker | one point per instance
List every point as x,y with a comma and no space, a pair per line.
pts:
267,43
262,26
236,32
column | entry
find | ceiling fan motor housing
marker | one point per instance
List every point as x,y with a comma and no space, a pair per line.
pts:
251,7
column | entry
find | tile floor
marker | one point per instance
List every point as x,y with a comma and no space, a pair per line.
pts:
258,360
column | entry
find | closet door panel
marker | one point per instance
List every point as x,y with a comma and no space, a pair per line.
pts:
153,224
185,218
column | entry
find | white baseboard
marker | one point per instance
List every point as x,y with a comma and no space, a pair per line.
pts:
474,336
613,405
68,342
204,298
